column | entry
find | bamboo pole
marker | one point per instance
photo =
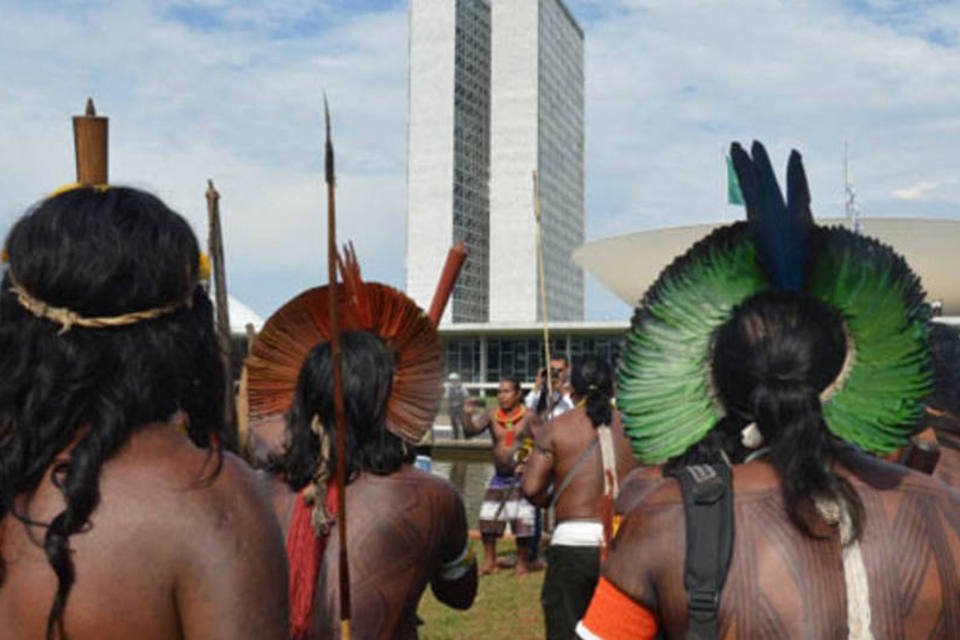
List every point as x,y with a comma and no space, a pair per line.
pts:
215,248
543,289
243,403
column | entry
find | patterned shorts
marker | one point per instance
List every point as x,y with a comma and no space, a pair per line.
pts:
503,503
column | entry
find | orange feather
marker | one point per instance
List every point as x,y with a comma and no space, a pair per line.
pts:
302,323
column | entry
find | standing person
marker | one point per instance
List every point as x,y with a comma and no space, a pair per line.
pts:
406,528
576,466
456,397
509,425
113,504
808,351
548,407
559,400
804,504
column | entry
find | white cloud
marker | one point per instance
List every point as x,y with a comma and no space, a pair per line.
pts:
234,94
238,104
670,85
914,192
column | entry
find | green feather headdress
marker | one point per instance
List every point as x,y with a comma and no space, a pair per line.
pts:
664,385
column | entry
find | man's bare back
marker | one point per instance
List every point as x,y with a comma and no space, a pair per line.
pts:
782,584
402,528
174,551
559,446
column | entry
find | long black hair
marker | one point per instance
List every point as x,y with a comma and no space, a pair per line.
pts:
368,369
771,361
98,253
592,380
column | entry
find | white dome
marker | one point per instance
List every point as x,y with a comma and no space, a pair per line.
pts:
240,315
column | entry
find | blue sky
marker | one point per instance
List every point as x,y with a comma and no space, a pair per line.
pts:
232,91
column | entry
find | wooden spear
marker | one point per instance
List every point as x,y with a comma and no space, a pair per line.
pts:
543,288
338,407
215,247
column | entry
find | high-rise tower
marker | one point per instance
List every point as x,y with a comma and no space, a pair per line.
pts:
496,92
537,123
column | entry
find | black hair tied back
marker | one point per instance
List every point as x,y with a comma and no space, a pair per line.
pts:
592,380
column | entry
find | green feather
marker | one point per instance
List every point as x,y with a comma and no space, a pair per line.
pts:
882,302
664,389
663,384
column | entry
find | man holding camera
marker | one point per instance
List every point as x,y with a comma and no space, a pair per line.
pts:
550,405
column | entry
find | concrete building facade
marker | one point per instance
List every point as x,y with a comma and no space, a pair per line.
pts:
536,124
496,92
448,151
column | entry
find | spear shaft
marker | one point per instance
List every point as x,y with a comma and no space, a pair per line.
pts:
338,407
543,290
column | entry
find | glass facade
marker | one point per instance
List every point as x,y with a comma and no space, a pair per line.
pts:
561,149
463,357
471,163
604,347
489,358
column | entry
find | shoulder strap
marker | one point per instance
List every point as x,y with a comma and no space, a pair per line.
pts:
567,479
708,505
608,461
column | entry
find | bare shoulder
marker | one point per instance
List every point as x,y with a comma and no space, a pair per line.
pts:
546,431
892,482
636,485
567,418
161,471
649,541
570,430
427,483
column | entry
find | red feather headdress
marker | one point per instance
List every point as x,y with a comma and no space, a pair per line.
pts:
304,322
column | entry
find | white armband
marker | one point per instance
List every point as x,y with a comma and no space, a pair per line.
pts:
458,567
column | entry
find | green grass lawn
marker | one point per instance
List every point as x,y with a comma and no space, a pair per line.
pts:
506,607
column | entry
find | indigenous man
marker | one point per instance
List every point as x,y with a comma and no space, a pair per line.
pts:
118,520
548,406
406,528
807,536
509,425
576,466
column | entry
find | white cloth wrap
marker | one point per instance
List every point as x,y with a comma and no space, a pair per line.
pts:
577,533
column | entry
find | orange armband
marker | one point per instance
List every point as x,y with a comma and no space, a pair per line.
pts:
613,615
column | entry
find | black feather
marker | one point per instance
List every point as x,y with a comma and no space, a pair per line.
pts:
780,234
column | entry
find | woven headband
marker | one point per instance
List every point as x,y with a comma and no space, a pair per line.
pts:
68,318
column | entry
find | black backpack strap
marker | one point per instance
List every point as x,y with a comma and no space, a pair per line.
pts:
708,505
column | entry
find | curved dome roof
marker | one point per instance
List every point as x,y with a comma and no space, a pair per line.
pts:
627,265
240,315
